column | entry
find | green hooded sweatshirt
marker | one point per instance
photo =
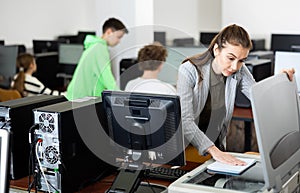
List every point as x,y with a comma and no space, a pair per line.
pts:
93,73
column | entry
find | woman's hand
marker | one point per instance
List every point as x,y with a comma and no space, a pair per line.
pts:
290,72
224,157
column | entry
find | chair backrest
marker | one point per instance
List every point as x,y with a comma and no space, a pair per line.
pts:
9,94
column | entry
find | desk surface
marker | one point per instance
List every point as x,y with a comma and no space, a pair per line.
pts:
102,185
242,114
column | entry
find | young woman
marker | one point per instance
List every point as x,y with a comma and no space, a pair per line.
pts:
207,85
24,82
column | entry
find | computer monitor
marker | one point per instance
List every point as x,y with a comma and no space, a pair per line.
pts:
258,44
275,106
42,46
8,56
260,69
4,161
82,34
207,37
68,57
144,128
69,53
160,36
67,39
175,57
295,48
285,59
186,42
47,69
284,42
2,42
129,70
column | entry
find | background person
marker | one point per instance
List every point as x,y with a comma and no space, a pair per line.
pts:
150,60
24,82
93,73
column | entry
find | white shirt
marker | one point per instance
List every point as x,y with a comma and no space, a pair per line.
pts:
153,86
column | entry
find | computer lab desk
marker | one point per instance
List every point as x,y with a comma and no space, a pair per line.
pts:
102,185
245,114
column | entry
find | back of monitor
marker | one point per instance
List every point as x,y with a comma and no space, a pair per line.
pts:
286,59
275,105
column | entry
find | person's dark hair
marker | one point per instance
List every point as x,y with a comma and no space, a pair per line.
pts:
232,34
23,62
151,56
114,24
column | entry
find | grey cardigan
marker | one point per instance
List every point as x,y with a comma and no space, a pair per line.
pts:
193,96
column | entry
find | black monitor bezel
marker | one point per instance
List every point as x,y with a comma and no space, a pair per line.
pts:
180,158
284,42
44,46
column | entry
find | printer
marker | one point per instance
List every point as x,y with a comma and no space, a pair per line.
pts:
276,113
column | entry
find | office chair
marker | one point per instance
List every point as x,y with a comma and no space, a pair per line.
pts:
9,94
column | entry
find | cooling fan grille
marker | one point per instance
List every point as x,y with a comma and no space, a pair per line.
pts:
51,154
46,122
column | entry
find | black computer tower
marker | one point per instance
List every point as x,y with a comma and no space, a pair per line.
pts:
260,69
17,117
65,158
260,54
48,67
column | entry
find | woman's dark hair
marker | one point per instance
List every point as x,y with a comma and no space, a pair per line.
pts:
23,62
232,34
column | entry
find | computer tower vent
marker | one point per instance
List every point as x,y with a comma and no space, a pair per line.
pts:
63,157
17,116
51,155
46,122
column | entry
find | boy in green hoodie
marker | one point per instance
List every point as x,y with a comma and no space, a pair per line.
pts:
93,73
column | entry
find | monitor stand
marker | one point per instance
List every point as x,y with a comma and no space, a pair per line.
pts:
145,187
129,181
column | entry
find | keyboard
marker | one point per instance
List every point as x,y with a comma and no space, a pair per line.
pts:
165,173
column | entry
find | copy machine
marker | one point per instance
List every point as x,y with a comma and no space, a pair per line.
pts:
275,106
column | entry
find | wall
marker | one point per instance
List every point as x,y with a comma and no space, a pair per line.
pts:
22,21
187,18
137,15
261,18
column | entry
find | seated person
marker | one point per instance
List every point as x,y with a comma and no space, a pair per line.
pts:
27,84
150,60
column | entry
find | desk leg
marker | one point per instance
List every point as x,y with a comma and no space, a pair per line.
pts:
248,136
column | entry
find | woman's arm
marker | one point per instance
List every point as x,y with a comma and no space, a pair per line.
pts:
187,79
